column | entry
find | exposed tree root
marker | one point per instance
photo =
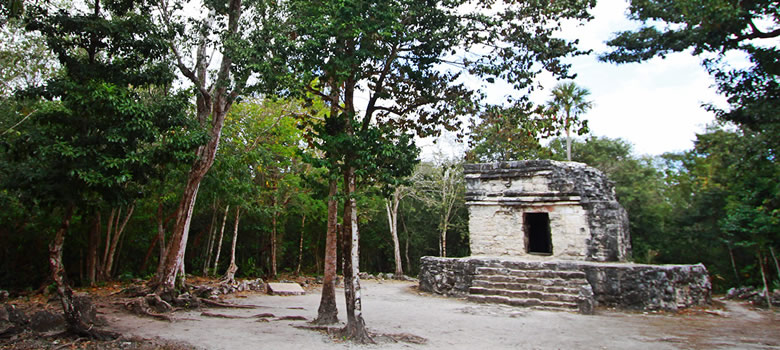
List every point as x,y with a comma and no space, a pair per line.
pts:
291,318
339,333
209,314
229,305
142,306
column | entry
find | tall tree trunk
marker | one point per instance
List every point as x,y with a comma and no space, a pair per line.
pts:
210,244
300,247
148,254
733,263
327,312
568,138
92,249
391,205
273,234
212,105
230,275
72,309
161,238
406,245
108,264
221,234
356,326
761,265
774,258
443,238
109,230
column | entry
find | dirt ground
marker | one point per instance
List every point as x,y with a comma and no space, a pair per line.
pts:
392,307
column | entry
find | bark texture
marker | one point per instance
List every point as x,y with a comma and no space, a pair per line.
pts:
230,275
75,309
356,326
327,312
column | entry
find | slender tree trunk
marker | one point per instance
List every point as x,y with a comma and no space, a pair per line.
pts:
391,205
161,238
148,254
109,230
774,258
327,312
230,275
568,138
273,234
221,234
210,244
406,246
212,105
300,247
118,230
356,326
733,264
761,265
92,249
72,309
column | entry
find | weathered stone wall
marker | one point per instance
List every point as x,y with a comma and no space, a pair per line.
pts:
622,285
586,221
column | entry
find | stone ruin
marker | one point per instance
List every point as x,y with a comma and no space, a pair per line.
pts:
545,209
552,235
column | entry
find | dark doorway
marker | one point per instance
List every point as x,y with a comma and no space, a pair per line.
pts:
537,233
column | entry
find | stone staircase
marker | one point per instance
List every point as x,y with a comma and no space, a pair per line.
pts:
538,286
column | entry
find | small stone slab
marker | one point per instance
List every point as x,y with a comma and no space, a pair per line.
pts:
285,289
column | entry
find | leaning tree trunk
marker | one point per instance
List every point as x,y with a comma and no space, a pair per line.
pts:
72,308
108,264
221,234
391,205
212,106
327,312
300,247
761,265
356,326
230,275
210,243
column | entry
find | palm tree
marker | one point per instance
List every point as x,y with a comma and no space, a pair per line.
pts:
568,99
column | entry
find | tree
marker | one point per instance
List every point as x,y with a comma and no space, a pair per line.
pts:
713,29
395,51
509,133
567,103
243,51
99,127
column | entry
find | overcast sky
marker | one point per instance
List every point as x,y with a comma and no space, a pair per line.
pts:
655,105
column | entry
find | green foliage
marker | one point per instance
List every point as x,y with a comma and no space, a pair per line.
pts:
509,133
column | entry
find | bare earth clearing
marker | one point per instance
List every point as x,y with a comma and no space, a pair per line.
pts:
392,307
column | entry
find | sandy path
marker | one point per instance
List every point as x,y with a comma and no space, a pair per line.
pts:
446,323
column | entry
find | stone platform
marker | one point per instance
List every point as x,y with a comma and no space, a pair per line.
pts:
568,285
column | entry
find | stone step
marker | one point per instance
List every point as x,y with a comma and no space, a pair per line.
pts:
536,265
533,303
545,282
574,290
535,273
525,294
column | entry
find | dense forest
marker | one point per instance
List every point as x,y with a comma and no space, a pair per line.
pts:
143,140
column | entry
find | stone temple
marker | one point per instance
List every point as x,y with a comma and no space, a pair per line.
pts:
545,210
552,235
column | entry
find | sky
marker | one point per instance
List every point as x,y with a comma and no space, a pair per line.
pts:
655,105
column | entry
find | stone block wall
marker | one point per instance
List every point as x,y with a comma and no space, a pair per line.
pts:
586,221
621,285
